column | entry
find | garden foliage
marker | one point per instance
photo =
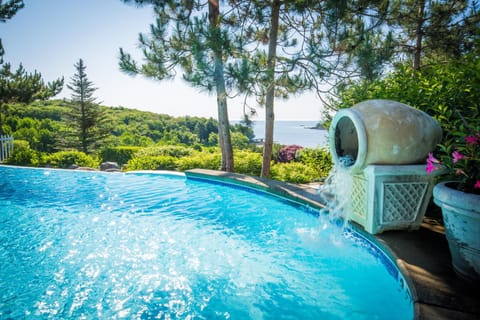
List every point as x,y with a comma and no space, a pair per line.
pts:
147,141
120,155
66,159
448,92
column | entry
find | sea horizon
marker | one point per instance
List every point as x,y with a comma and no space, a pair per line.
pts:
289,132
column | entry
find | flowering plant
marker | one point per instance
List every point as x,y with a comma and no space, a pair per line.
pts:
460,159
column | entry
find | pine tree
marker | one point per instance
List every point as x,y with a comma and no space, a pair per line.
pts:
9,8
7,11
267,49
434,30
191,36
88,120
289,47
21,86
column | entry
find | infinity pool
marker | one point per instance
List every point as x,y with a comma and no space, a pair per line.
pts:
90,245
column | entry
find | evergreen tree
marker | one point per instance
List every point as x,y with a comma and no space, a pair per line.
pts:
88,119
9,8
434,30
270,88
193,36
267,49
21,86
288,47
7,11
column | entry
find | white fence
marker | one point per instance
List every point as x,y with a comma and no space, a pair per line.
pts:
6,147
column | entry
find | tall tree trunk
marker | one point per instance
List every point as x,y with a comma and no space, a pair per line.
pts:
84,126
1,130
269,101
1,124
223,122
419,35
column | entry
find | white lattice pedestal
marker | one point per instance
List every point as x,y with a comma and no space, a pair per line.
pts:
388,197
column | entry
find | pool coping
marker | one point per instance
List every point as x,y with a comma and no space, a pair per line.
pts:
296,193
419,255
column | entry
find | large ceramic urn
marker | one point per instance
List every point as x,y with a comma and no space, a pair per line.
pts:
382,132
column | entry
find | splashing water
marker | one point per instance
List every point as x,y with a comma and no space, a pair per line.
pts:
346,161
336,192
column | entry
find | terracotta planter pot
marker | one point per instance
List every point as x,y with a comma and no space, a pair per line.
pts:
461,216
382,132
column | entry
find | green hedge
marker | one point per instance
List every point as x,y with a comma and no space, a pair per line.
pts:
200,160
318,159
120,155
310,165
165,150
152,163
247,162
23,154
294,172
65,159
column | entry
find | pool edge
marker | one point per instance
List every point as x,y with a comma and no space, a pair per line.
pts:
293,192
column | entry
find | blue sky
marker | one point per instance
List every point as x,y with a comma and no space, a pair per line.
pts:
50,36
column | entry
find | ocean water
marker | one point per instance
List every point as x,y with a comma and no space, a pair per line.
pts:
294,132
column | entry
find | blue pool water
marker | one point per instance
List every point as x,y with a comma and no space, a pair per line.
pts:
92,245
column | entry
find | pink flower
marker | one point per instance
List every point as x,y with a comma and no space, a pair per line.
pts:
451,163
432,159
457,156
430,167
471,140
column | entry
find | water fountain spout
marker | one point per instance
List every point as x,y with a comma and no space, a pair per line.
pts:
382,145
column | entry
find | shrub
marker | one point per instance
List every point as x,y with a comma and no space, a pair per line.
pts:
248,162
239,140
152,163
65,159
175,158
120,155
275,150
448,92
318,159
166,150
212,139
132,139
288,153
23,155
201,160
294,172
